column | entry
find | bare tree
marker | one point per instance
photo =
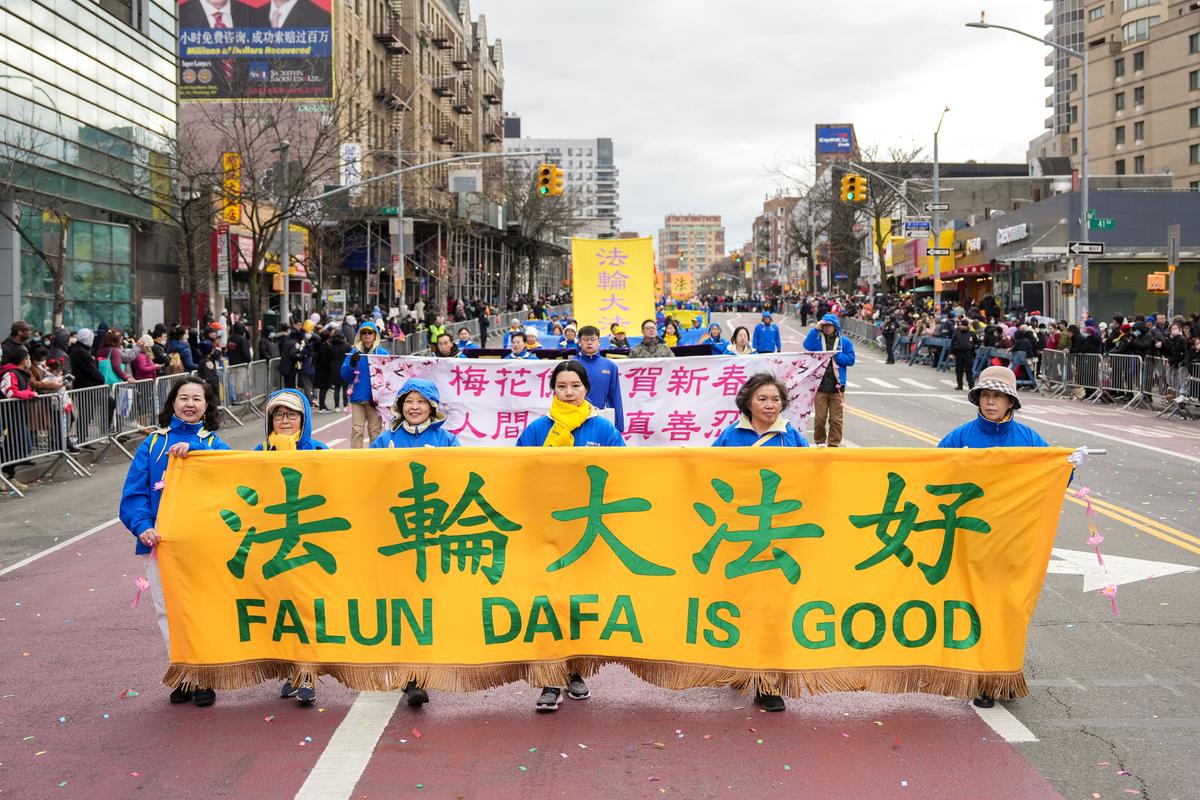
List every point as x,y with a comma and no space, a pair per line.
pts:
534,221
884,198
26,178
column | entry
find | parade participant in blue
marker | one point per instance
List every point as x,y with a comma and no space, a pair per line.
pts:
516,341
187,422
605,382
570,339
417,420
289,427
766,337
464,340
514,325
552,322
761,402
356,372
739,343
829,405
713,338
572,422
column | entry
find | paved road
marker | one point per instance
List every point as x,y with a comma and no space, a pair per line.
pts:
1110,694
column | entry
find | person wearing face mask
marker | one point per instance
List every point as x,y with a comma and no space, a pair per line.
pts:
289,428
761,402
187,422
572,422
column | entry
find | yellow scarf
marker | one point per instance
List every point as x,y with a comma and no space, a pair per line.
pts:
670,339
566,418
278,441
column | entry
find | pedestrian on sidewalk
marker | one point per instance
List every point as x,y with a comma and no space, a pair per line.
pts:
188,421
356,371
830,402
890,326
572,422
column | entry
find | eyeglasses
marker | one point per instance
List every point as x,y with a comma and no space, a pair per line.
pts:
290,416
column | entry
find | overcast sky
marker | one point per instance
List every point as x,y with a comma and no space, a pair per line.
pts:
706,99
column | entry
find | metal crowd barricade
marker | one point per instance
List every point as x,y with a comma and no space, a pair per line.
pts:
1157,385
134,412
236,390
1124,379
274,376
1087,379
35,429
1054,372
91,411
1187,402
260,383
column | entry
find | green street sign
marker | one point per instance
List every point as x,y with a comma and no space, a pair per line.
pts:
1102,223
387,211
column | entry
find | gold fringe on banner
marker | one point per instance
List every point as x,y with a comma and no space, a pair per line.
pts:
666,674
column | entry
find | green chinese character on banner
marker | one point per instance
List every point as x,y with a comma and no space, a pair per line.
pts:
757,539
594,512
288,536
424,520
905,521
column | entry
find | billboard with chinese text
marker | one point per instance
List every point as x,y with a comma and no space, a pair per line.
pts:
256,50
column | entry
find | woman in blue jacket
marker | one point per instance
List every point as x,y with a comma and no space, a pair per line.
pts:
417,422
356,372
572,422
761,402
187,421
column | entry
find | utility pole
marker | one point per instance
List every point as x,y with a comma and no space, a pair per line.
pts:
937,218
285,242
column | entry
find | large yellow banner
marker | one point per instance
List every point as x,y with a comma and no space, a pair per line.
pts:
795,570
681,285
612,280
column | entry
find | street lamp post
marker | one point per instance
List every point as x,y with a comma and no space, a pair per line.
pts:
1082,55
937,218
285,241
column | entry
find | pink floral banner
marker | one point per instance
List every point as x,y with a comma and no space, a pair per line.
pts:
667,401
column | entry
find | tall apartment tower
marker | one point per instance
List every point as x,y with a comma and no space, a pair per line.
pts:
1144,88
690,242
589,173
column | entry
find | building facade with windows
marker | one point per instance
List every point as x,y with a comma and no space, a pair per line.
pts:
1144,88
690,242
590,177
87,100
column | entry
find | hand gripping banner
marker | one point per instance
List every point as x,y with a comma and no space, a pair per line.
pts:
797,570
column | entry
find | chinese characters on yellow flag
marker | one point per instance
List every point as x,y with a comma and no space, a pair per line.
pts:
801,570
681,285
613,281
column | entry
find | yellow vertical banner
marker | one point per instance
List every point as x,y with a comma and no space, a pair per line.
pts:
231,166
613,281
681,285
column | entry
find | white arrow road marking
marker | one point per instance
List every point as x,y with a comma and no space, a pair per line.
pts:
1116,569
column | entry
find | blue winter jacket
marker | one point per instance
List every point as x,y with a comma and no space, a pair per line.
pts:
766,338
980,432
358,377
814,342
305,442
143,482
185,353
742,434
432,436
605,382
594,432
525,354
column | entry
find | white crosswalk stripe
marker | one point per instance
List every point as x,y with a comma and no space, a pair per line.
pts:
883,383
852,385
916,383
948,382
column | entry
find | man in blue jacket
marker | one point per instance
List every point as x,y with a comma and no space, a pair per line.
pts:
766,337
605,384
830,402
356,372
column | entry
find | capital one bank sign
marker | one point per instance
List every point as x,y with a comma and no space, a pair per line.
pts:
835,139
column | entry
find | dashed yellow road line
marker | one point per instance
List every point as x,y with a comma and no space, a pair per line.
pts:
1108,509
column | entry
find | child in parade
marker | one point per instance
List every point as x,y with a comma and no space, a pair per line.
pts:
187,421
572,422
761,402
417,422
289,427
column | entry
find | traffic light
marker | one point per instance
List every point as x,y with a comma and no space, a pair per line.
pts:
856,188
545,179
846,181
556,181
1077,276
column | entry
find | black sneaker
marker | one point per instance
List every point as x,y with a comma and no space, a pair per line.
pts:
984,701
577,689
417,696
287,691
550,700
180,694
769,702
306,694
205,697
